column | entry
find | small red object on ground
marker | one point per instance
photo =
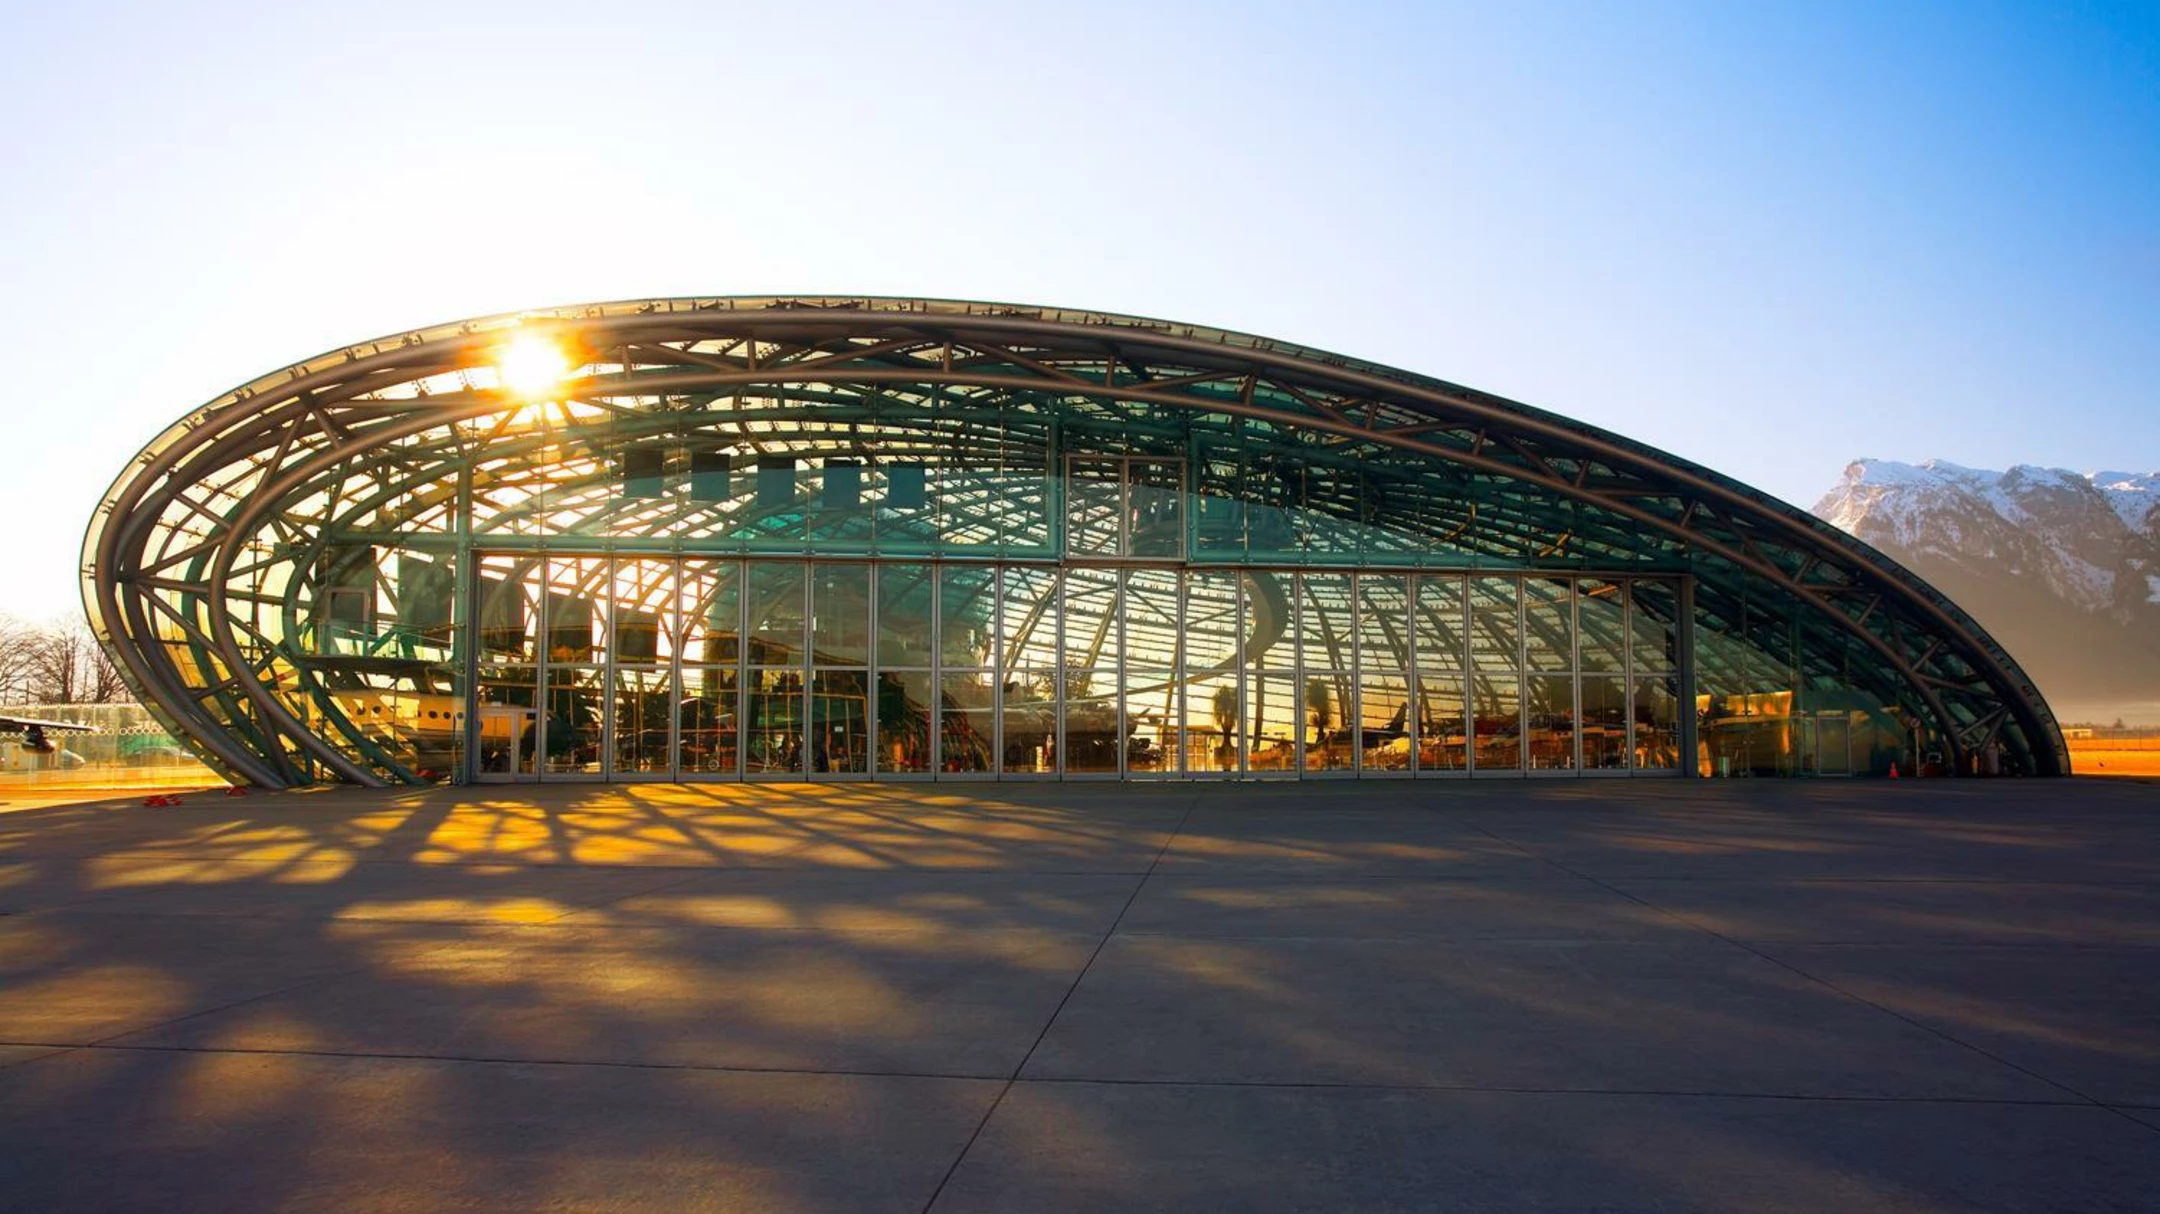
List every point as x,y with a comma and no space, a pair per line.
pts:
1893,769
236,791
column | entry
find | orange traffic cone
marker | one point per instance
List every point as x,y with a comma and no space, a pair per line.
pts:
1893,769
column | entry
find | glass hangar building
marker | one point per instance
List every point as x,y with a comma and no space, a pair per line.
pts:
904,539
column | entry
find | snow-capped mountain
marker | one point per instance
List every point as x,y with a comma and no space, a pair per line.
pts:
2062,567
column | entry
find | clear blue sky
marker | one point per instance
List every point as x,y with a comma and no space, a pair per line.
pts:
1771,238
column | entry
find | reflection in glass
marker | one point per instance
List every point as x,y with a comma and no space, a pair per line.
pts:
1029,613
1440,721
1324,621
1604,720
967,614
772,722
645,616
1383,740
1094,507
1439,617
1214,684
1330,701
1091,721
1495,635
776,612
1273,713
1214,712
903,615
509,725
1092,633
1212,628
1548,624
965,728
1151,720
577,619
570,731
706,720
1551,711
1270,620
1383,621
1153,631
1601,618
840,615
839,722
1156,501
1653,608
1496,716
711,611
1030,720
1657,723
903,722
509,591
642,713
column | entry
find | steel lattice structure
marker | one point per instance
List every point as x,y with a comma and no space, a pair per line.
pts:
213,565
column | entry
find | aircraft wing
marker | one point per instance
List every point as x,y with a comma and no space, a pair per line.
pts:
24,724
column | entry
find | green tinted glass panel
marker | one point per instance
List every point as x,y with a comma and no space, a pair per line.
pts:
1383,621
967,614
1439,623
904,594
1548,624
1325,633
840,614
776,612
1601,624
1153,631
1495,627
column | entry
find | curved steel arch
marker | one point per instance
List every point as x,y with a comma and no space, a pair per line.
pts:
164,548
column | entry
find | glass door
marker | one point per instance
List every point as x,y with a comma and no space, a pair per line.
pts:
708,647
837,732
577,633
967,624
507,594
775,597
642,724
1093,645
904,700
1833,744
508,723
645,641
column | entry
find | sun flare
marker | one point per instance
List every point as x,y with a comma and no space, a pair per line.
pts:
531,366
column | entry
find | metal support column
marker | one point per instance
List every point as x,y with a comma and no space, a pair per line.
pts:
1685,634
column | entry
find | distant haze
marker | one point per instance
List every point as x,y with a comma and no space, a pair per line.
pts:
2063,568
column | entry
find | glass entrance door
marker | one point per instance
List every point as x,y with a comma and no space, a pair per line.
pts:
641,724
1832,752
508,723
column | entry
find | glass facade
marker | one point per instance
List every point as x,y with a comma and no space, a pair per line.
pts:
789,539
830,669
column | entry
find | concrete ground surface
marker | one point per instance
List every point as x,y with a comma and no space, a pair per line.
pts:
1565,995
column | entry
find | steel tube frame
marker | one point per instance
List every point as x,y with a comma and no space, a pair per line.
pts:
273,414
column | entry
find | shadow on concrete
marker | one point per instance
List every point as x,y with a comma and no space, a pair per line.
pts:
1174,996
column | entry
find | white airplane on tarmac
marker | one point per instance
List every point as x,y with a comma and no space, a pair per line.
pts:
34,731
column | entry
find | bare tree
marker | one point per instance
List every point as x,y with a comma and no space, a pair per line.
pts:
105,686
58,662
19,644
